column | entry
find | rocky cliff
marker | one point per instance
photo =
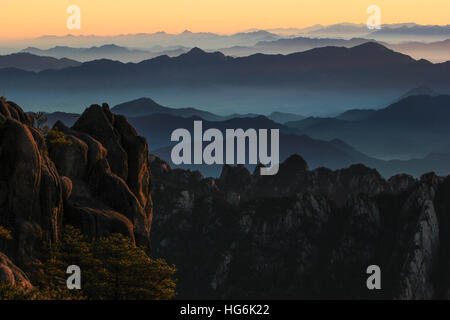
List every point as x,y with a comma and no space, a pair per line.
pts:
94,176
301,233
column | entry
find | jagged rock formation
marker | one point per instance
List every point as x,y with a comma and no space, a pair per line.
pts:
94,176
108,166
302,233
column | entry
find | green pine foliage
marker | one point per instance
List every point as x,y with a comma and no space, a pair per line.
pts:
112,268
56,137
5,234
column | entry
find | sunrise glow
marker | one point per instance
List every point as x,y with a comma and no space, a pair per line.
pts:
29,18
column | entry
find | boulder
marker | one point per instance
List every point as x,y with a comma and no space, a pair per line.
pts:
10,273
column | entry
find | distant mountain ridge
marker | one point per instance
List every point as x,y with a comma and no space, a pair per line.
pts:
437,51
372,131
413,127
420,91
146,106
291,45
108,51
250,37
294,83
297,67
330,153
146,41
35,63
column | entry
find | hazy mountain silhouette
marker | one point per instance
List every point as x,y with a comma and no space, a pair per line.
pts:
413,32
421,90
64,50
328,152
109,51
199,66
283,117
434,51
148,41
355,114
412,127
438,51
146,107
31,62
291,45
159,127
68,119
399,32
309,122
365,75
361,114
339,29
320,153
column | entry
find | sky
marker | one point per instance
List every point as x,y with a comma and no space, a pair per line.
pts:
32,18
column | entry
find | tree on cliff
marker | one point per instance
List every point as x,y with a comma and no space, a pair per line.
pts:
5,234
112,268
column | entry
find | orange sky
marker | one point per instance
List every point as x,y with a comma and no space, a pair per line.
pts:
31,18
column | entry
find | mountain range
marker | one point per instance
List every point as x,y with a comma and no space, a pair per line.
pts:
293,83
35,63
438,51
148,41
433,51
146,107
400,32
410,128
158,127
109,51
411,134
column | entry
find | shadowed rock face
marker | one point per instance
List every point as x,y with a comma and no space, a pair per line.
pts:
98,122
302,233
108,165
96,178
30,187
